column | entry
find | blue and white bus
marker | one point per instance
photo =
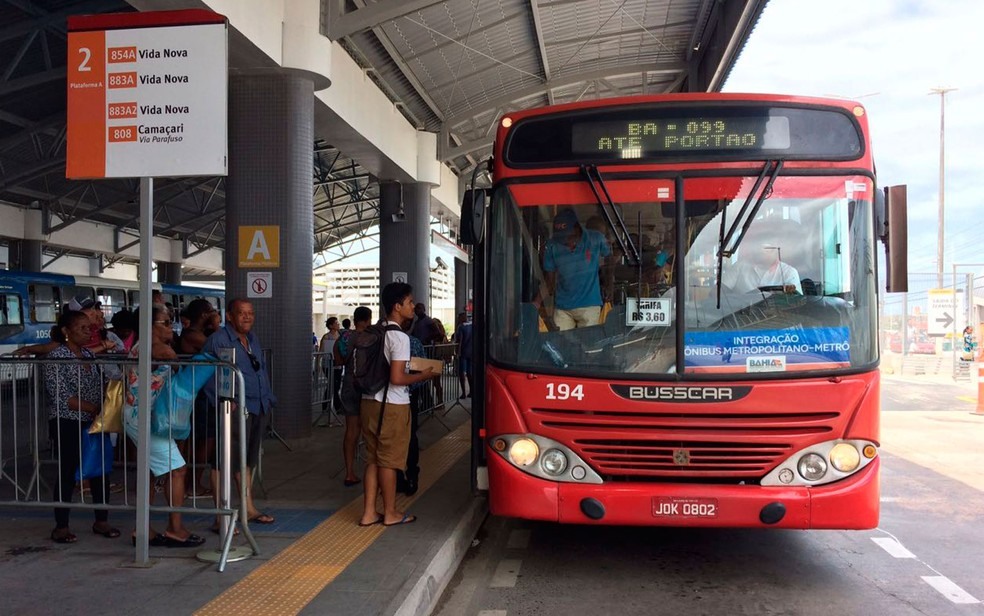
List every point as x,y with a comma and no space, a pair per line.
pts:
30,302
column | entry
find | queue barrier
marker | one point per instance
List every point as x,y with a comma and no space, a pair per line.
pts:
31,445
437,398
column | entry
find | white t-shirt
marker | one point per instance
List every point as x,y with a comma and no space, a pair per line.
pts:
744,277
396,348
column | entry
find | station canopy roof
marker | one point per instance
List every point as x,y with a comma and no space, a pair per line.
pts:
450,66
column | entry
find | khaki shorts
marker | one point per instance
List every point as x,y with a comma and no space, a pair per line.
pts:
577,317
389,448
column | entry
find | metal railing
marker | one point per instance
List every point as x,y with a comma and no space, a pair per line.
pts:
437,398
32,446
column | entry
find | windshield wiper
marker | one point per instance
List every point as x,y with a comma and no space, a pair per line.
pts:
744,215
776,167
620,230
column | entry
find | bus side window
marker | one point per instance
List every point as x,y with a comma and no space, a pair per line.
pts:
10,310
112,300
44,303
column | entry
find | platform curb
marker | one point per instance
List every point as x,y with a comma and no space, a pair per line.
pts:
419,596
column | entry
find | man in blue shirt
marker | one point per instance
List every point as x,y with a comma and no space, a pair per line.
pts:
238,334
573,258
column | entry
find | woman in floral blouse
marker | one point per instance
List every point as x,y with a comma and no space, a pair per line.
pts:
75,391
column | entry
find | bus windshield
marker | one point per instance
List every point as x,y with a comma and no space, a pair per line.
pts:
791,288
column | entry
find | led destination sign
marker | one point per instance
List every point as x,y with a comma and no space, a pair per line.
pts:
634,138
694,132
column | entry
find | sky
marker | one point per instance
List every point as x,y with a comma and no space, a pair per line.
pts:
888,55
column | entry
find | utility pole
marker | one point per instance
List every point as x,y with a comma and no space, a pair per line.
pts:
939,236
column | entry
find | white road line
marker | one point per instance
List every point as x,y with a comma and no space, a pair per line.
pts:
519,539
492,613
893,547
948,589
506,574
890,499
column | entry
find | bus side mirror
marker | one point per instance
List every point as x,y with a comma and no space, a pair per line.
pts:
892,228
473,217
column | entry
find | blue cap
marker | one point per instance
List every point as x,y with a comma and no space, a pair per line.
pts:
564,223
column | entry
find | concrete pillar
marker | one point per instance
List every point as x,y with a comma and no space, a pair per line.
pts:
404,236
168,273
31,257
25,255
169,270
271,133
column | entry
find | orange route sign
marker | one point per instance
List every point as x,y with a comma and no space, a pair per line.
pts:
147,95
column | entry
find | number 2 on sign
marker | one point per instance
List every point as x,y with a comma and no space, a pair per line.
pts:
563,391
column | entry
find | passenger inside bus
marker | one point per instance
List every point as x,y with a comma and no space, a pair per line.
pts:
573,258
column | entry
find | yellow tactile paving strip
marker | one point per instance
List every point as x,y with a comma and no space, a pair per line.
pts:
295,576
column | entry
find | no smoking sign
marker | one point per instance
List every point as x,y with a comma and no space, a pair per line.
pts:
259,284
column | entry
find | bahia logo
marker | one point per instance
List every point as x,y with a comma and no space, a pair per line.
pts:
766,364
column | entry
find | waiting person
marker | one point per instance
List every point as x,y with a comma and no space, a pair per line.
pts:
199,313
238,334
573,258
350,399
124,326
407,480
386,421
166,462
75,392
463,336
334,374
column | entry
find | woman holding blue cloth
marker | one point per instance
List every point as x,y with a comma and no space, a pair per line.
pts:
165,458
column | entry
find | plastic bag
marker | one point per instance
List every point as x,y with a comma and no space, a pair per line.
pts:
110,419
97,456
173,407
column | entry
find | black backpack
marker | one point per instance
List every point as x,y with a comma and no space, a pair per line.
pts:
367,361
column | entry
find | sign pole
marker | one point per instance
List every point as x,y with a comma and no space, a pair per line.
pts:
143,370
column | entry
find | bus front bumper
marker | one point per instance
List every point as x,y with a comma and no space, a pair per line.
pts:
851,503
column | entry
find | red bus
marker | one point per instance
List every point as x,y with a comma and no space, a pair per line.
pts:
676,306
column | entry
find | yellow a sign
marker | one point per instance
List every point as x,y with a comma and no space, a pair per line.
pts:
259,246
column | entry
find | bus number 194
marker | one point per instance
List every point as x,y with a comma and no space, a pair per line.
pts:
563,391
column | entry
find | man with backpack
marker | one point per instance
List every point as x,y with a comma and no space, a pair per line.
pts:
378,360
350,398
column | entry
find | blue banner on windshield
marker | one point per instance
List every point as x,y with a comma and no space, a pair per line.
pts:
769,350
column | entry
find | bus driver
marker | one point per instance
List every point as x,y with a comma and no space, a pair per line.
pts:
760,265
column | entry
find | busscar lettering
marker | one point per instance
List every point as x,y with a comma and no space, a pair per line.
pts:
642,392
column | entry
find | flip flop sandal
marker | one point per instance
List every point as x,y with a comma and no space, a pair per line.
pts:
193,541
407,519
378,520
63,536
109,533
218,529
351,482
262,518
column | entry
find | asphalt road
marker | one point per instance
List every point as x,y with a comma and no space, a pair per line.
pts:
925,557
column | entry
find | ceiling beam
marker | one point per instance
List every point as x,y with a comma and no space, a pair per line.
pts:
541,46
36,79
508,101
341,24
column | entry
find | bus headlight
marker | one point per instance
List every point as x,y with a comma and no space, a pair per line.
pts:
822,463
523,452
543,457
812,467
844,457
554,462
